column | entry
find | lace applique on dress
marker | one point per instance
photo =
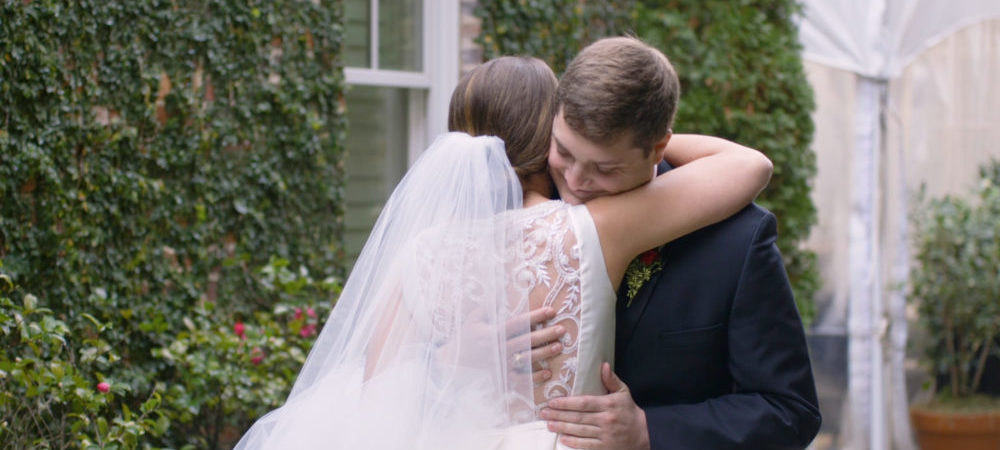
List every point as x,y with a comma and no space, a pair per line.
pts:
546,270
447,299
542,260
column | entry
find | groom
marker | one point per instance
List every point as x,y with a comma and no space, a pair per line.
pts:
710,350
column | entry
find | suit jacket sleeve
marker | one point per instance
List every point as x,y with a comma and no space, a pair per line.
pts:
773,404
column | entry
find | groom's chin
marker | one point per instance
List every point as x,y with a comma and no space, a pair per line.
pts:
568,197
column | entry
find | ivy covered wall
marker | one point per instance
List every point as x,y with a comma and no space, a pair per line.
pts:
741,79
552,30
154,155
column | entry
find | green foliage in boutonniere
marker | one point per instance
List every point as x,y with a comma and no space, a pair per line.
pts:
639,271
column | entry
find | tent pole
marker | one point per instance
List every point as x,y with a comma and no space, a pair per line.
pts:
865,310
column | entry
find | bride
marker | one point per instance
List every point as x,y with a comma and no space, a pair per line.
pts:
429,345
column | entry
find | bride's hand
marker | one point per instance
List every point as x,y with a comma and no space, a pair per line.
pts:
475,332
544,342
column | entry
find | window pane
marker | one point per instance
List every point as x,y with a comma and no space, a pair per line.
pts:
357,28
400,32
376,158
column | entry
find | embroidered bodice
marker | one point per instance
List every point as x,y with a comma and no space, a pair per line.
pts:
552,257
558,263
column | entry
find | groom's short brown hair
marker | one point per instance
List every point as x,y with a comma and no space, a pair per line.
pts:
618,87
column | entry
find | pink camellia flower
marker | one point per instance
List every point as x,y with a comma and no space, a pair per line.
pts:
308,330
239,329
311,312
257,357
298,313
103,387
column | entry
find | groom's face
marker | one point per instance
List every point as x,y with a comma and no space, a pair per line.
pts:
583,170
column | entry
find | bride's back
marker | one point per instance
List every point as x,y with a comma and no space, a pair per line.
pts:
557,263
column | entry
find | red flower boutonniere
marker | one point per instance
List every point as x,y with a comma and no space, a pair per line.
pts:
639,271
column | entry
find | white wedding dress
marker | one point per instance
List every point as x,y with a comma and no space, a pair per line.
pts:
426,346
561,256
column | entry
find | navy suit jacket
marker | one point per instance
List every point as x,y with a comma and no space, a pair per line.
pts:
712,346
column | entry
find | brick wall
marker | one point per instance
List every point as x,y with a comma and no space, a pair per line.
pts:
470,25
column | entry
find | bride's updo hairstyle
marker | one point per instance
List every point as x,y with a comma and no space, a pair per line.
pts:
513,98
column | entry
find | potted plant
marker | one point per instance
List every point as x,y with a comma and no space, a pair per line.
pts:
956,285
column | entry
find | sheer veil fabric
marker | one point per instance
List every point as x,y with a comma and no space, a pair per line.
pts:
417,353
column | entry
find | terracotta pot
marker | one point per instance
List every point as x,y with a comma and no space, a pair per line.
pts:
937,430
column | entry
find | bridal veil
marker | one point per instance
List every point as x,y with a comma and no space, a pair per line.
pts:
421,349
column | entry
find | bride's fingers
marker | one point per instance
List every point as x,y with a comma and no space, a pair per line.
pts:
538,357
536,338
545,352
546,335
533,318
518,343
541,315
541,376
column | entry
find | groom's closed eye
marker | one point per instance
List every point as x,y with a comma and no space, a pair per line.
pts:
608,170
563,152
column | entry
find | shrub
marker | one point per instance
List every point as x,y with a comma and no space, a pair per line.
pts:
155,154
955,282
742,79
225,371
552,30
217,374
55,394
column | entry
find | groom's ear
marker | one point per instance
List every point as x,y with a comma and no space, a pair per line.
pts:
660,147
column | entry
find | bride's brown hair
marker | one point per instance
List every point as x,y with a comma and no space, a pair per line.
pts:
513,98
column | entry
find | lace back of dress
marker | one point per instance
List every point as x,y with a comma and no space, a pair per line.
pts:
547,273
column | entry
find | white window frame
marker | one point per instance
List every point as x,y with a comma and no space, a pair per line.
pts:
429,89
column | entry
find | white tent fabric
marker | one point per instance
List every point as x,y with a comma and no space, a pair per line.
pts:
878,38
906,97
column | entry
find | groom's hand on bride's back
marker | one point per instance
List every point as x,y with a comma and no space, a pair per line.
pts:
543,340
612,421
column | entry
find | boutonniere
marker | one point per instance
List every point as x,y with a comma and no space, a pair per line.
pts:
639,271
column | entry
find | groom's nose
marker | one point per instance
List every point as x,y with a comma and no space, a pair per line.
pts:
576,177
